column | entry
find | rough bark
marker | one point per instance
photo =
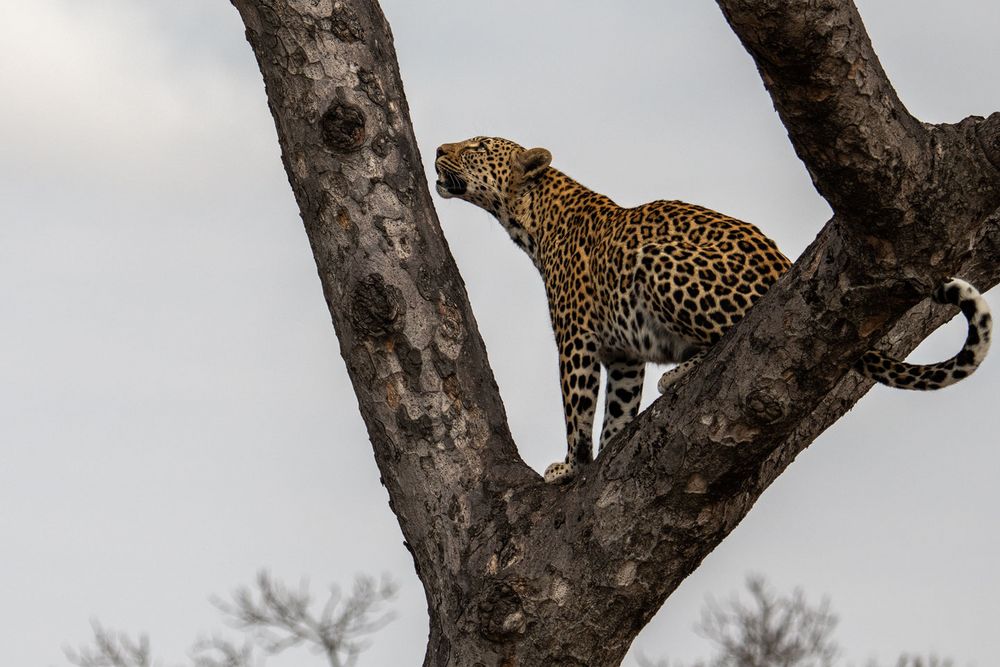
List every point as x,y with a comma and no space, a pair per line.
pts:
517,572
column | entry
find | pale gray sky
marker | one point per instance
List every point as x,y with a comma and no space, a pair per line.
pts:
174,412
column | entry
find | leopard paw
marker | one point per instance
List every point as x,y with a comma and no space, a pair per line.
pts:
670,377
559,473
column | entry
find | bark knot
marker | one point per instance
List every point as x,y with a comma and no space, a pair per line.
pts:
343,127
377,308
344,23
371,86
763,407
501,612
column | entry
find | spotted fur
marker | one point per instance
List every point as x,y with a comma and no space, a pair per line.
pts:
660,282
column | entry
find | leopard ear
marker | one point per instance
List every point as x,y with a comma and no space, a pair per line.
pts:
532,162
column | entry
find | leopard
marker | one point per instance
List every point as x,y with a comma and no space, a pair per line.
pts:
661,282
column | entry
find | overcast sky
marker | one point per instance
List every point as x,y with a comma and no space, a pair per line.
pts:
174,413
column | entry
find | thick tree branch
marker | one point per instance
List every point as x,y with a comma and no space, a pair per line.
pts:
982,269
844,118
406,330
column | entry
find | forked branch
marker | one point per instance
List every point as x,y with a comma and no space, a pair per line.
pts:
518,572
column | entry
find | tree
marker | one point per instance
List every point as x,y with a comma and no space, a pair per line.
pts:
775,630
518,572
782,631
273,618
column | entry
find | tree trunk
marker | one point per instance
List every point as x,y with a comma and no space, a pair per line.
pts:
517,572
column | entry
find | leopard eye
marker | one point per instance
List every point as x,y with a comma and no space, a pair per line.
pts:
473,148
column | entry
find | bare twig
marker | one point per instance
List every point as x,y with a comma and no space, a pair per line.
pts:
278,618
772,631
217,651
111,649
273,618
775,630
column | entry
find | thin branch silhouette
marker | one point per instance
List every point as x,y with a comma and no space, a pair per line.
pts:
775,630
272,617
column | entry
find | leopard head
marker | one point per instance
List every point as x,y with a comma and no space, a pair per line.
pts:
495,174
490,172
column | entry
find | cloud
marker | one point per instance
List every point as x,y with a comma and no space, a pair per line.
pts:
101,92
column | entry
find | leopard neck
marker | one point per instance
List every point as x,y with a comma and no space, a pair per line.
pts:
553,200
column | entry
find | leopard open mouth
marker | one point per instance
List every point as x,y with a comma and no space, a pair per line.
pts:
450,182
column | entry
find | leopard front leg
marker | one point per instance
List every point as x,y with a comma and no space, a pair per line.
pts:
623,392
580,374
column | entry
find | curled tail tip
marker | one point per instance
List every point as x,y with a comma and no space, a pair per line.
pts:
955,291
973,305
894,373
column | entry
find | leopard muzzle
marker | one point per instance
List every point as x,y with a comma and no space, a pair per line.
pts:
450,184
